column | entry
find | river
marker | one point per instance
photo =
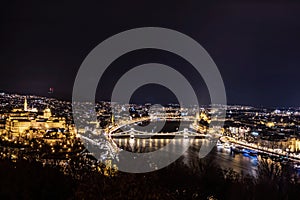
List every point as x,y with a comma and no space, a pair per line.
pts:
222,156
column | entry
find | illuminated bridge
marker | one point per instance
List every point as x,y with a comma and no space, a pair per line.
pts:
136,133
112,131
103,139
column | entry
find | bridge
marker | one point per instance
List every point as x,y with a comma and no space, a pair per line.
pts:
111,131
186,133
136,133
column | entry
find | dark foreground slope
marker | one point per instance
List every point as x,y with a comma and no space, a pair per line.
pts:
205,180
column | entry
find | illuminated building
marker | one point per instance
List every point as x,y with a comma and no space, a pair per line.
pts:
26,109
47,113
20,121
25,104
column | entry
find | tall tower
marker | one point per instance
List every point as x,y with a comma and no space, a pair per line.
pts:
112,119
197,118
25,104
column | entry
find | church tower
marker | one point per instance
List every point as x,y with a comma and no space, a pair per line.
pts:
25,104
112,119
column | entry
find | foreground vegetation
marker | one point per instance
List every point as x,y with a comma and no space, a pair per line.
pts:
202,179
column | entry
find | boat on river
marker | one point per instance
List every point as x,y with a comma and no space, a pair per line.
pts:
237,149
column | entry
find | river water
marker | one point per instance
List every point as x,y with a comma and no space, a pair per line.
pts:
221,155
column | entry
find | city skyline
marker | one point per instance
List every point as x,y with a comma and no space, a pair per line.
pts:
150,100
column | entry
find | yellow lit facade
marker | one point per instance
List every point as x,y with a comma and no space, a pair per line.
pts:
20,122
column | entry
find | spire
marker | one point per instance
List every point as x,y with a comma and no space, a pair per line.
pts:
112,119
25,104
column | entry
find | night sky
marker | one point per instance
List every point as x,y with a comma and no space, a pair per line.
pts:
256,46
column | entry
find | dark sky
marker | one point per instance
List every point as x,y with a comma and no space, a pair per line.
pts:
256,45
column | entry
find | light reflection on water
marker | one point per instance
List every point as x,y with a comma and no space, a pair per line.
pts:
238,162
224,157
